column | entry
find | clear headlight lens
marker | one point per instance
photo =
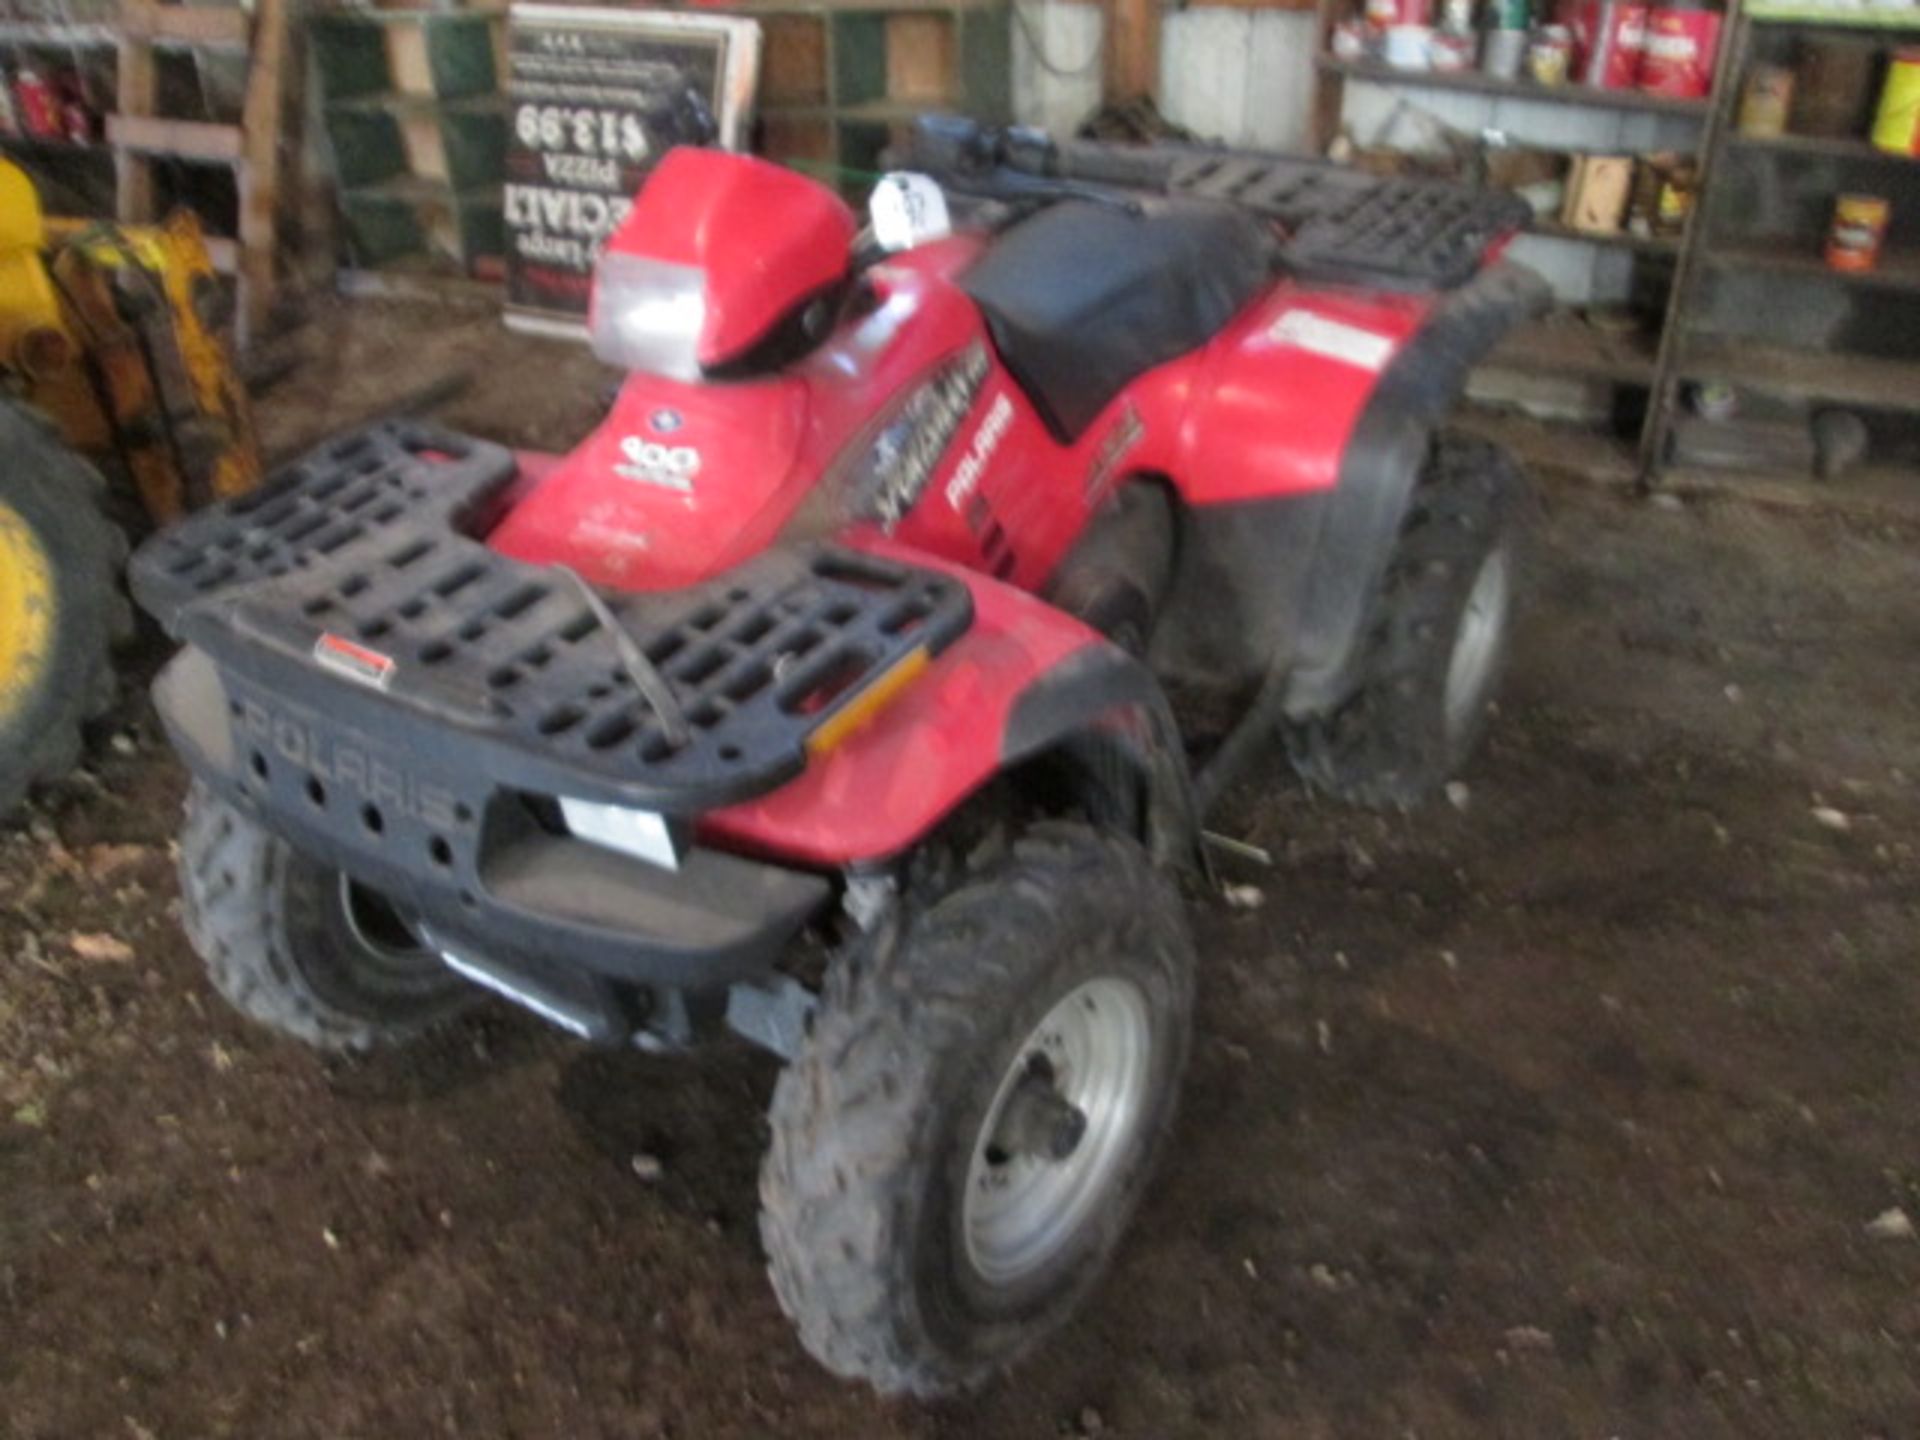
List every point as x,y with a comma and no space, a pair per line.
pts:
647,315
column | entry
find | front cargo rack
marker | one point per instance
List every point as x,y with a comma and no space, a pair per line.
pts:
363,549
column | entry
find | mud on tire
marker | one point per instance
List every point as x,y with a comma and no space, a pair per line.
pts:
51,503
881,1126
1408,726
288,943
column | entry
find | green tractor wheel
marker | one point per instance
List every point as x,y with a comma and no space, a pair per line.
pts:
61,609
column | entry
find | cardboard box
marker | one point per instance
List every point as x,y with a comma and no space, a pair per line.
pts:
1598,188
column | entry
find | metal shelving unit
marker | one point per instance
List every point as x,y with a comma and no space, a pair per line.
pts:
1761,221
1563,345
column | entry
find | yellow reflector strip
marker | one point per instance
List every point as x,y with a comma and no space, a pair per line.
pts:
868,703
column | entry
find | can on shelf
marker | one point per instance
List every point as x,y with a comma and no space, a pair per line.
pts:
1349,40
1409,47
1452,52
1609,37
1859,228
1896,127
37,105
1683,37
1766,101
1550,55
1386,14
1503,53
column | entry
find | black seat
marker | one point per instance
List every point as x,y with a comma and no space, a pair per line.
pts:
1081,298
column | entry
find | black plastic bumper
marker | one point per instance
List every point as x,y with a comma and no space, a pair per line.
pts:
479,862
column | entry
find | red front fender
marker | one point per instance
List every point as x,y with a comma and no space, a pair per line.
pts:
988,701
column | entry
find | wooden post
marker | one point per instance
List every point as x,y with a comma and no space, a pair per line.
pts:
259,172
134,96
1132,50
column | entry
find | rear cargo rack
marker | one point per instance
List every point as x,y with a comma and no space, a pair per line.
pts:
1341,225
361,550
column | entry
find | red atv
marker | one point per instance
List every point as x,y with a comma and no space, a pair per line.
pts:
821,693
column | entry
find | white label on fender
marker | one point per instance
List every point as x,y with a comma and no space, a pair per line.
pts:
1332,338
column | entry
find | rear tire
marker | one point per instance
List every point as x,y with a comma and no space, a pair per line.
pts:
61,610
294,945
1436,640
929,1208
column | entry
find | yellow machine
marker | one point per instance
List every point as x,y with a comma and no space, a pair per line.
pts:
110,365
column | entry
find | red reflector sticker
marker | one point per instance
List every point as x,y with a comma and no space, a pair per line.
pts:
356,662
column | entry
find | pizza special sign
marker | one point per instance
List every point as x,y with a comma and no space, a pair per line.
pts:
597,96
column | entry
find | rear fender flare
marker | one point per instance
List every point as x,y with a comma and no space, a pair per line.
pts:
1380,467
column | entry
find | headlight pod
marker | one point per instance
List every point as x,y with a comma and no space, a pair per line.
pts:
647,315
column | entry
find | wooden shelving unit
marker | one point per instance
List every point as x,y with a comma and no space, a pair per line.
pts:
839,82
137,135
418,128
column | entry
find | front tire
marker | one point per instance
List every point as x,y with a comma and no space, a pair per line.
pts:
61,610
296,946
977,1110
1436,639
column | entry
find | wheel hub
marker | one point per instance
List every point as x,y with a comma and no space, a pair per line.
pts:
1476,644
1039,1122
26,610
1055,1140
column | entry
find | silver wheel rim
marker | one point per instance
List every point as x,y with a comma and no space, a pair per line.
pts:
1476,644
1094,1052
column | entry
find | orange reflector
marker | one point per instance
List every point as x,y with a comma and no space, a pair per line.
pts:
868,703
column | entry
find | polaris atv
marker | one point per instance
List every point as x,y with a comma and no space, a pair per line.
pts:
821,692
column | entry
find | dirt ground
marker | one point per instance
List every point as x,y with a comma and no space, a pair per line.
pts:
1573,1108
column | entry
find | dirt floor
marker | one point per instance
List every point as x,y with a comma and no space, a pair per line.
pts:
1586,1105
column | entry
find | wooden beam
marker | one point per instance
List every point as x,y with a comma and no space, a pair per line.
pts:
133,96
224,28
1132,50
182,139
260,171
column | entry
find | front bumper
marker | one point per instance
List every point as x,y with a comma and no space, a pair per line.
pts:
423,818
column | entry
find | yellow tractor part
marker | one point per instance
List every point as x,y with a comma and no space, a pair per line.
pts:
26,610
109,331
39,354
147,301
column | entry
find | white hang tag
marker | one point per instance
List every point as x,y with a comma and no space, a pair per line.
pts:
907,210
